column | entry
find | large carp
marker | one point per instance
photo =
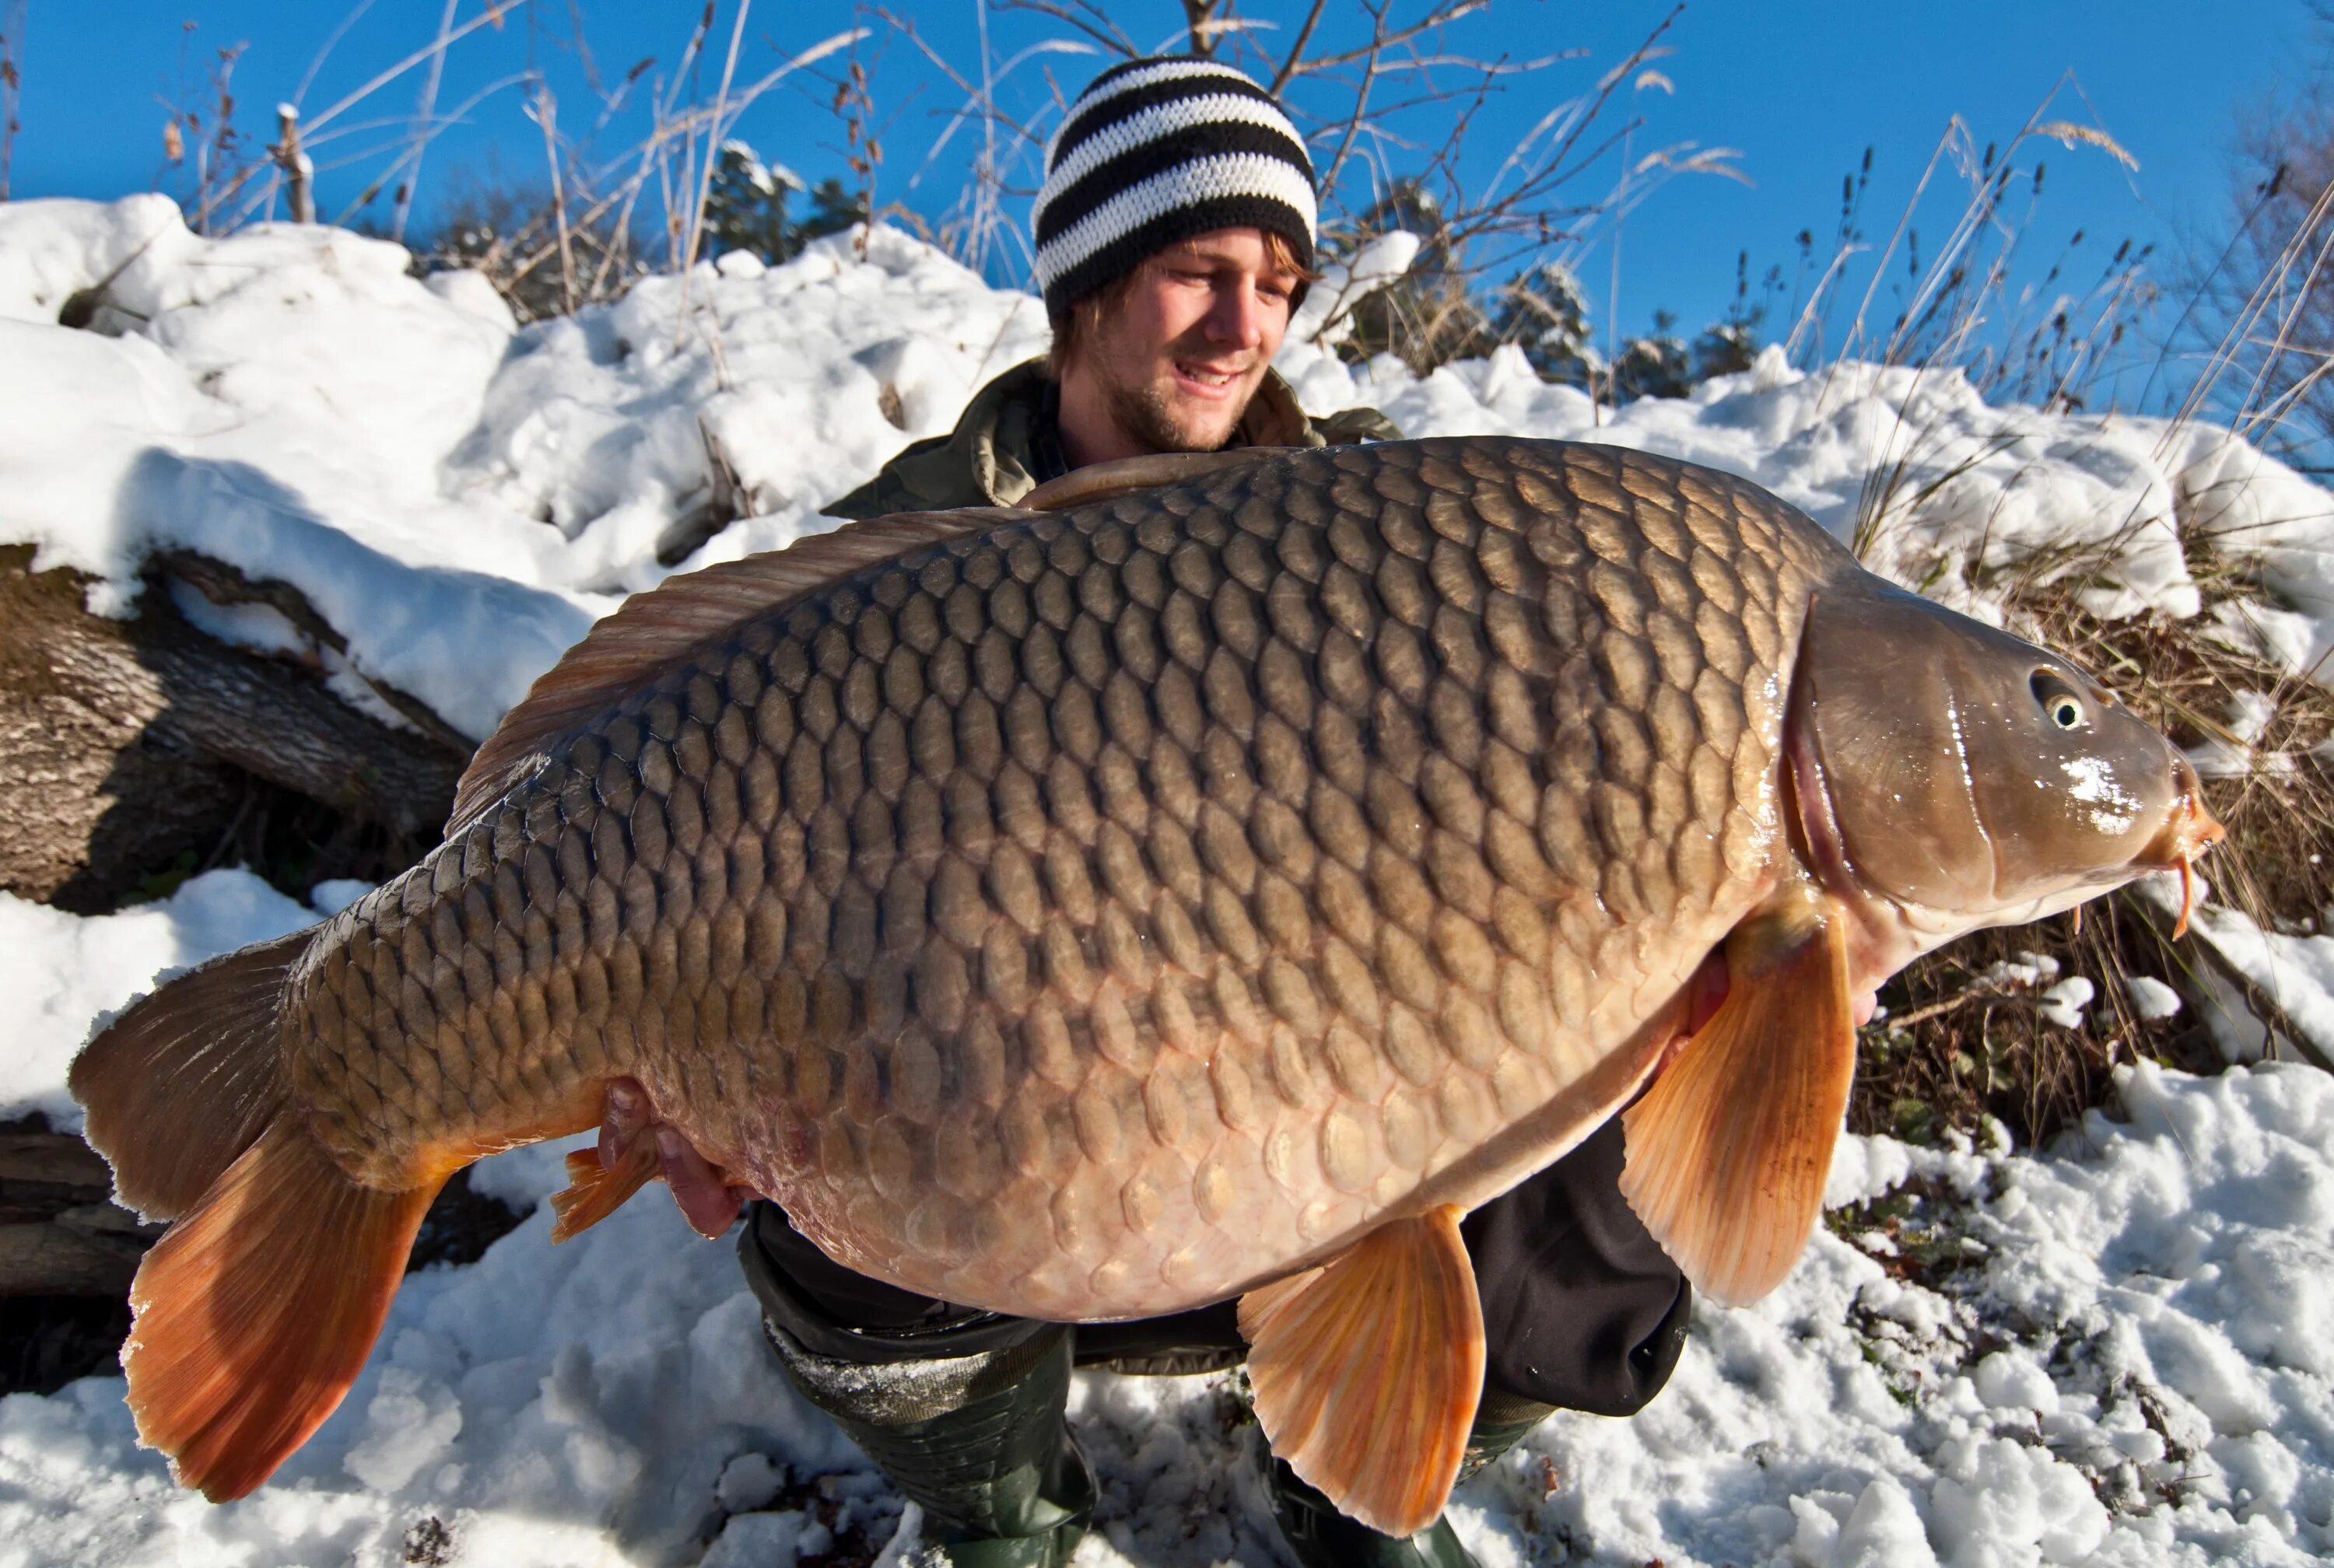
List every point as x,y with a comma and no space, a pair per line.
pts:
1213,880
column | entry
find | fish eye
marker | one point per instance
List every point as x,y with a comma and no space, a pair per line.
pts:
2061,704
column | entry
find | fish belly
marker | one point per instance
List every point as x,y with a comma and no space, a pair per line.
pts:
1098,913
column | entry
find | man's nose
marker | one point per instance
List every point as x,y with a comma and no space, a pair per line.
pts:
1236,318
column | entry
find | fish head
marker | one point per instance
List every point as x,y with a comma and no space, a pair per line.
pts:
1950,776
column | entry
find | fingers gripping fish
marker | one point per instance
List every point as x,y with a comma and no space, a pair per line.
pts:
1213,880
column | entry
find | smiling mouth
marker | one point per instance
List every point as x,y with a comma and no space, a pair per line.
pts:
1208,380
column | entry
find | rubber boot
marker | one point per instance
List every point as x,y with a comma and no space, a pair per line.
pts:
1321,1537
979,1442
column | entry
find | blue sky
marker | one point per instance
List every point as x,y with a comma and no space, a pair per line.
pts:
1800,90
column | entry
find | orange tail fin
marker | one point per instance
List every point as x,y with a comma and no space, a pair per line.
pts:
256,1311
186,1079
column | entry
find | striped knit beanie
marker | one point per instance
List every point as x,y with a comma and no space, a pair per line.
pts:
1159,150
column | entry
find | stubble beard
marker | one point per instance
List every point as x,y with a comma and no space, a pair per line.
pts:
1148,412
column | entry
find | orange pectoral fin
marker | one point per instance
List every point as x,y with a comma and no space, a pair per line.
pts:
1368,1369
1728,1152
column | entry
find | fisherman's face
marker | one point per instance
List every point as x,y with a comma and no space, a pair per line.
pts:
1174,365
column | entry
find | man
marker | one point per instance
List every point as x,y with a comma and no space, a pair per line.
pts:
1174,237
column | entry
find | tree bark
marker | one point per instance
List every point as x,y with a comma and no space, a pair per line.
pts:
127,745
60,1232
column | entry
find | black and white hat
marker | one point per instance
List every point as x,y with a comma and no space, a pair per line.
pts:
1158,150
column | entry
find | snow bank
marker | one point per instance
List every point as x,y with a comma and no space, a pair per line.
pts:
2117,1353
460,498
2122,1357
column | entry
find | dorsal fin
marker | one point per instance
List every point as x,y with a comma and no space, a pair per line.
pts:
651,630
1100,481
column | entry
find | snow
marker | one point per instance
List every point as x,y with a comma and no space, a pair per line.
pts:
2151,999
2063,1003
1324,319
66,971
2130,1369
2120,1350
2296,973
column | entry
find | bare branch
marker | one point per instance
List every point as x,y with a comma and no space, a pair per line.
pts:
428,102
712,140
493,13
546,114
294,162
1082,14
1297,49
12,84
1442,15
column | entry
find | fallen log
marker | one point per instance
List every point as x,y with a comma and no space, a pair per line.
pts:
143,746
126,746
61,1233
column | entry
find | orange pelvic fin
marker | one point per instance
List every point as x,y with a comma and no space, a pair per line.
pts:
1368,1370
595,1191
257,1311
1729,1151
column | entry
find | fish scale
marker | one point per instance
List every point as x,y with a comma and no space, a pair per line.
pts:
1096,914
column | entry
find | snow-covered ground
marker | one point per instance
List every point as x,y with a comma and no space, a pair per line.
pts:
2121,1351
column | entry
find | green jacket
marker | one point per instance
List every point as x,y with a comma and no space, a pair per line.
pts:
991,458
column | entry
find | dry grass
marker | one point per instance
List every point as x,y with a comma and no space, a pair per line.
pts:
1958,1045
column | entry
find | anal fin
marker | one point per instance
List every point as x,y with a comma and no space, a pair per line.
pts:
1368,1370
595,1191
1729,1151
635,1148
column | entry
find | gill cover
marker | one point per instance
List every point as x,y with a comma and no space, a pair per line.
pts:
1954,767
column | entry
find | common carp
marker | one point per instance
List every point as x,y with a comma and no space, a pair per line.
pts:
1212,879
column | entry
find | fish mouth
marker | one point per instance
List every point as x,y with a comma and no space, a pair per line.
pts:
2189,830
